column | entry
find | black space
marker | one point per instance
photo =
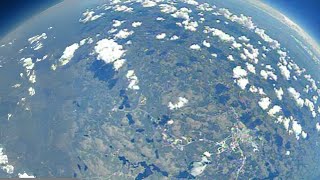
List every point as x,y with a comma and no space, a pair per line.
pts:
15,12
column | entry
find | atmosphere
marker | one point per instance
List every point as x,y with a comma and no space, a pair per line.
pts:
160,89
304,13
15,12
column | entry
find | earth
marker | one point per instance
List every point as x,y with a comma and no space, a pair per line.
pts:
156,89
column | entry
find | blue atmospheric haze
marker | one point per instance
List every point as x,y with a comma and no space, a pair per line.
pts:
306,13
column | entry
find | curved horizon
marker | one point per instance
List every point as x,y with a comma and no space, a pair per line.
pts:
277,14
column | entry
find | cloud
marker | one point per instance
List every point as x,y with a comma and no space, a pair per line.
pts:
230,58
274,44
136,24
296,96
68,54
25,175
148,3
36,41
182,13
222,35
206,44
179,104
195,47
123,34
191,2
297,129
89,16
242,83
133,80
274,110
191,26
108,50
122,8
284,71
205,7
160,19
166,8
264,103
251,68
238,72
161,36
117,23
244,39
279,93
174,37
242,19
311,107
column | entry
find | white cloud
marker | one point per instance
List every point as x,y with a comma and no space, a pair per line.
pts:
312,81
199,166
161,36
133,80
222,35
122,8
296,96
182,101
117,23
253,89
25,175
242,19
31,91
274,110
191,2
174,37
4,162
27,63
148,3
160,19
167,8
284,71
240,75
318,127
230,58
242,83
311,107
236,45
3,157
118,64
205,7
244,39
279,93
264,103
297,129
136,24
89,16
251,53
123,34
265,74
182,13
191,26
8,168
195,47
68,54
274,44
108,50
214,55
251,68
36,41
238,72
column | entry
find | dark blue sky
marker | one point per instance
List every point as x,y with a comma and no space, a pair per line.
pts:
304,12
14,12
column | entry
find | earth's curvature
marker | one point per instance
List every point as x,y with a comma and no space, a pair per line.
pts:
156,89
